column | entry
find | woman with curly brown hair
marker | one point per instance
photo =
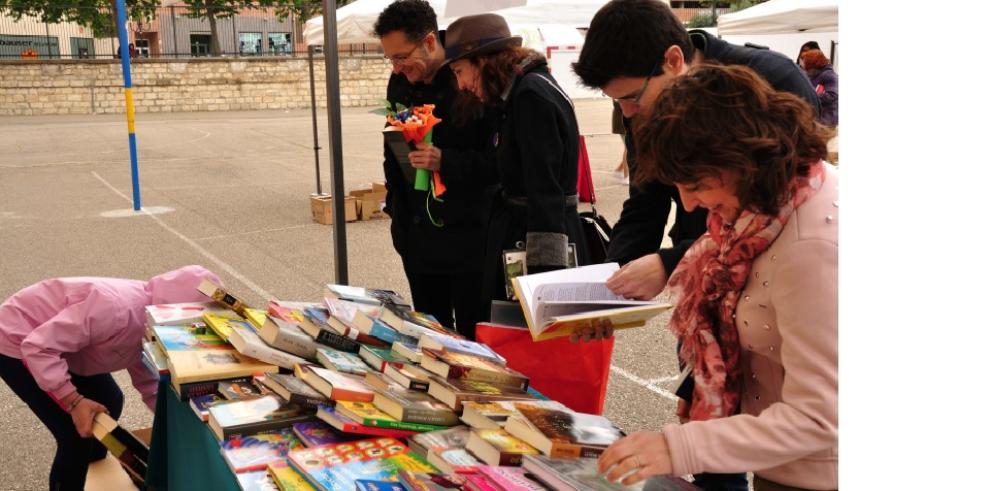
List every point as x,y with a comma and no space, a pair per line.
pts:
536,147
756,296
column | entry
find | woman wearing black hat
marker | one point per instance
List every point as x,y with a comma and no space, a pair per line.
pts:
536,147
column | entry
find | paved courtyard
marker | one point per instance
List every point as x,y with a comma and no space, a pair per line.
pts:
237,187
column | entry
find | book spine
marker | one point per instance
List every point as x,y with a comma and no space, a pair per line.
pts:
336,341
297,343
268,426
472,373
430,417
561,450
196,389
509,459
306,401
401,425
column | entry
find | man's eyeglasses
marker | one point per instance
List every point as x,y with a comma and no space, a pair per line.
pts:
402,58
639,95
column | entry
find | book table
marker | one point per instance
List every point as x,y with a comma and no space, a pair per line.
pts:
185,455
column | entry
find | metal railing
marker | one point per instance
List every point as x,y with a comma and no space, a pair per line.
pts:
166,32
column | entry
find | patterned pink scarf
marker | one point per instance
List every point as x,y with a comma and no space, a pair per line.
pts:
706,286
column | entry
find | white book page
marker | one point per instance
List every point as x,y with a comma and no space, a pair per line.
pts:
595,273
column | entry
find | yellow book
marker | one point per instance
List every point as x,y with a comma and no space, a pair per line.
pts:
556,303
286,478
220,325
497,447
256,317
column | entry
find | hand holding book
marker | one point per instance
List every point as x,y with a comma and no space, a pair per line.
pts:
637,457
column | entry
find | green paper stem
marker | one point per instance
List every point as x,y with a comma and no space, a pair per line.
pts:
422,175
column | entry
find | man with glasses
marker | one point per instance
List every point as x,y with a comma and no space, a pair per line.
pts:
441,242
633,49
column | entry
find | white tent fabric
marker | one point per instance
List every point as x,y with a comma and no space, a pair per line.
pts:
355,21
782,16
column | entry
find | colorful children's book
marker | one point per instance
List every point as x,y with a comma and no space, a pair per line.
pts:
335,385
201,404
341,477
249,417
313,460
341,361
255,452
347,425
256,481
371,485
431,481
563,433
256,317
317,433
286,477
221,326
478,482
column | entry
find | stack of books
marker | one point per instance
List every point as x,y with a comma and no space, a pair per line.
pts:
361,392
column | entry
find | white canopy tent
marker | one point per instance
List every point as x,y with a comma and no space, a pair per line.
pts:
782,17
355,21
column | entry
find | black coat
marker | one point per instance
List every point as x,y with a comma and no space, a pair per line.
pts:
536,158
458,246
639,230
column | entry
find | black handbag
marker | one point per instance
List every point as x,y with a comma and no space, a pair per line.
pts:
597,234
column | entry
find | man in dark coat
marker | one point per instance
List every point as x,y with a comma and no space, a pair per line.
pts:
632,50
441,241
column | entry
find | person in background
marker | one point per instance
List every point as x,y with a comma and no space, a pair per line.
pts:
826,83
756,297
61,338
806,47
441,243
536,147
132,50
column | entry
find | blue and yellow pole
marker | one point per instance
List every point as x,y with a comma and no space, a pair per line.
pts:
125,63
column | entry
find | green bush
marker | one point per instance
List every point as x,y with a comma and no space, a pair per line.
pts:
700,19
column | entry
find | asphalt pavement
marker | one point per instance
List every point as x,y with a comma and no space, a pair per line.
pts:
230,191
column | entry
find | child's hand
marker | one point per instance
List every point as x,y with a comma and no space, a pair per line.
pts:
83,415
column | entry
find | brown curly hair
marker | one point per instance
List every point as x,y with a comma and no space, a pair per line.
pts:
717,118
496,70
814,59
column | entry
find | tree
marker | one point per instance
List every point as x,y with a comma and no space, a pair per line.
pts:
213,10
99,15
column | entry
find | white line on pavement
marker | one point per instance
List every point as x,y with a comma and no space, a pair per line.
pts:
224,266
646,384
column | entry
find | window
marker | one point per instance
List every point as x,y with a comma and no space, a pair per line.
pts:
82,48
199,44
279,43
143,47
250,44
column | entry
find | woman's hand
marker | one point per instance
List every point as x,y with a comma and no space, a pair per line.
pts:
645,452
83,415
641,279
425,156
599,329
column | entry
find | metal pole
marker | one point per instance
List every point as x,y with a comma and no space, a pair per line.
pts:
333,132
125,63
316,134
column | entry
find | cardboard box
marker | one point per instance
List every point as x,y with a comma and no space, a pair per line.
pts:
369,203
322,207
378,187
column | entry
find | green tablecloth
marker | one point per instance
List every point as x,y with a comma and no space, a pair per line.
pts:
185,455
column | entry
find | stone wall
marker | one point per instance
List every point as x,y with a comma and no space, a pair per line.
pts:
193,84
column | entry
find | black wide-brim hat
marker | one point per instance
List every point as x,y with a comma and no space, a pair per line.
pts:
480,34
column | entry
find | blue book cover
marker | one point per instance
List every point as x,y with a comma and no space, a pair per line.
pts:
369,485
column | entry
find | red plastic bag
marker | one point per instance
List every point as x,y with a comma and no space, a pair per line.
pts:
575,374
585,185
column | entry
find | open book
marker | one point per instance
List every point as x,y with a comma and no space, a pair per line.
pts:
557,302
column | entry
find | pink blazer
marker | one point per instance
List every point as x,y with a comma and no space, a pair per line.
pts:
90,326
788,429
